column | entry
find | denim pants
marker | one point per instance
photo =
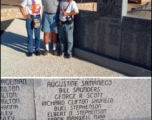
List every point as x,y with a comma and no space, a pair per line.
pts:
30,31
66,37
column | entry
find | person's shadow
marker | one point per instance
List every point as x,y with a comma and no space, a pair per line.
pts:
17,42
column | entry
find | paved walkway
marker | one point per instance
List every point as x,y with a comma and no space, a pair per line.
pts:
15,63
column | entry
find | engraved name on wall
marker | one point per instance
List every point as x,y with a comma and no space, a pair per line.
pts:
100,31
17,101
91,99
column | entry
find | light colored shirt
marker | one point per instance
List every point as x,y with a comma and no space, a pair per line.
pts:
50,6
32,7
63,5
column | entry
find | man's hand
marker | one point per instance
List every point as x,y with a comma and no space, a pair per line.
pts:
23,12
27,16
69,14
65,13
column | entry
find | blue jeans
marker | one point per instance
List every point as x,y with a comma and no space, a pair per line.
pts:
30,31
66,37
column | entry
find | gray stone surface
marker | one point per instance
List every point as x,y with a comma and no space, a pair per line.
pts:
107,99
143,11
136,41
110,33
17,99
122,67
100,31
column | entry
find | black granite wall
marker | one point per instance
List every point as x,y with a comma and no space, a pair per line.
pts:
136,41
100,31
110,34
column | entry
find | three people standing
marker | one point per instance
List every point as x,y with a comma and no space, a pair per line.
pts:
54,12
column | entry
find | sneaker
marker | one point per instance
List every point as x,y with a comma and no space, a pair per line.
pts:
46,52
69,55
38,53
55,52
29,54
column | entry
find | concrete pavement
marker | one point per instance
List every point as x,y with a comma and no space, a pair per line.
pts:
15,63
